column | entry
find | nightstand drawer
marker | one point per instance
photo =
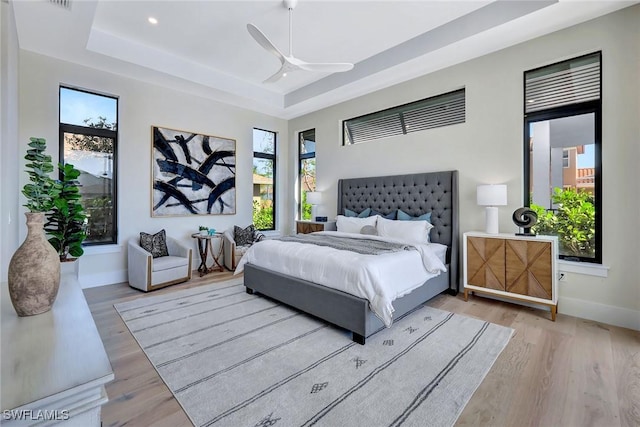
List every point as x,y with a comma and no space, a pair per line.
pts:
305,227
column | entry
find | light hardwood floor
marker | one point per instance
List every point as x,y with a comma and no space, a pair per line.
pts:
567,373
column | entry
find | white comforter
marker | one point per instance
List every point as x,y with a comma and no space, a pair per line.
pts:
378,278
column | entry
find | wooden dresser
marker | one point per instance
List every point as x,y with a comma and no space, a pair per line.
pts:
54,365
519,268
304,227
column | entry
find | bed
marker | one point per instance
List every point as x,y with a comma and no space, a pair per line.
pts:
415,194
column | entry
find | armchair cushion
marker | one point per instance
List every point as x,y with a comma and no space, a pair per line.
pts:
156,244
168,262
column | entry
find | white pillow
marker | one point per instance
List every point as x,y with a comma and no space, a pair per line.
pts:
353,225
406,231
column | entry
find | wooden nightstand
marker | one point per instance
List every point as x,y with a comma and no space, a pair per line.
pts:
520,268
305,227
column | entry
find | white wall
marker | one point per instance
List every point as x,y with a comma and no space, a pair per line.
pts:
488,148
141,105
8,137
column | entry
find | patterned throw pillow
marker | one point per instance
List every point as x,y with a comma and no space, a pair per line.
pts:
156,244
243,236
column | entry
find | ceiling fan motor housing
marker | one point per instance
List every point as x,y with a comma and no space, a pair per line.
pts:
290,4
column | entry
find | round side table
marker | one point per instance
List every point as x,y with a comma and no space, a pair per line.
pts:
205,248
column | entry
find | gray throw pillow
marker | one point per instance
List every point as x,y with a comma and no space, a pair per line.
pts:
156,244
243,236
369,229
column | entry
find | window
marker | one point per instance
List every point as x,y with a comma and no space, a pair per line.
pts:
264,179
307,169
89,141
437,111
565,157
562,130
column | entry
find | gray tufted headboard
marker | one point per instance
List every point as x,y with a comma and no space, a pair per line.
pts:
415,194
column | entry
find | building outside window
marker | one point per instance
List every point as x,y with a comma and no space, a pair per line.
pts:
306,169
563,128
264,179
89,141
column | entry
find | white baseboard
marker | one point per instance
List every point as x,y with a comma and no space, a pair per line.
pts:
101,279
611,315
608,314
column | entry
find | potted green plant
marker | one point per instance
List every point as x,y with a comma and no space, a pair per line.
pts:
66,220
34,269
204,231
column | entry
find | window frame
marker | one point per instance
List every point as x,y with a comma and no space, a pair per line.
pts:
587,107
272,157
301,158
101,133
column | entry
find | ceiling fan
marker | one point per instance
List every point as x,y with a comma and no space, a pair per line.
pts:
289,62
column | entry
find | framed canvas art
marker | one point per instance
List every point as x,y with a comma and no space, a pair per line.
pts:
192,174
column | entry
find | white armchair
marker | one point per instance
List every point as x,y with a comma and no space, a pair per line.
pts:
232,251
147,273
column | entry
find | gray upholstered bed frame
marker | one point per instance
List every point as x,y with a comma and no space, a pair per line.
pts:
415,194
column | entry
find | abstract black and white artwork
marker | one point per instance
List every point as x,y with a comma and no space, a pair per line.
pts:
192,174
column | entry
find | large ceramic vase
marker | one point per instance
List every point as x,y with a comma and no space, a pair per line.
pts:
34,271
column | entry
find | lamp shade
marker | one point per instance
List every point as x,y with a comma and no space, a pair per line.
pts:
314,197
492,195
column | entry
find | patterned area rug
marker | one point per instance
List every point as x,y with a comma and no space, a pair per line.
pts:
233,359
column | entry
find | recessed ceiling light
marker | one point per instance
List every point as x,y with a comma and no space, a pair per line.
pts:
284,74
152,20
531,101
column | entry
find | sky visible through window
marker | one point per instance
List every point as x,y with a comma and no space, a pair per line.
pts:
588,159
76,106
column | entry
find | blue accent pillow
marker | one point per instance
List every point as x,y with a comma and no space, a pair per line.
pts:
391,215
403,216
351,214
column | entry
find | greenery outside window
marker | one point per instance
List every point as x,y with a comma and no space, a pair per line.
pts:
264,179
306,169
89,141
562,155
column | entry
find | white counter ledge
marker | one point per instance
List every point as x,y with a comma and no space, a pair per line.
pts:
54,365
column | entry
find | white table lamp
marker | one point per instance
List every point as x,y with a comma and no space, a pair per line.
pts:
492,195
314,198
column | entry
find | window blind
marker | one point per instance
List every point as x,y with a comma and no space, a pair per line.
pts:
441,110
565,83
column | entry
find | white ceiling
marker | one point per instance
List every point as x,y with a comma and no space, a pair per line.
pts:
203,47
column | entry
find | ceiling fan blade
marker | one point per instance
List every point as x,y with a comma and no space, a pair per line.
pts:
264,41
334,67
277,76
290,63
